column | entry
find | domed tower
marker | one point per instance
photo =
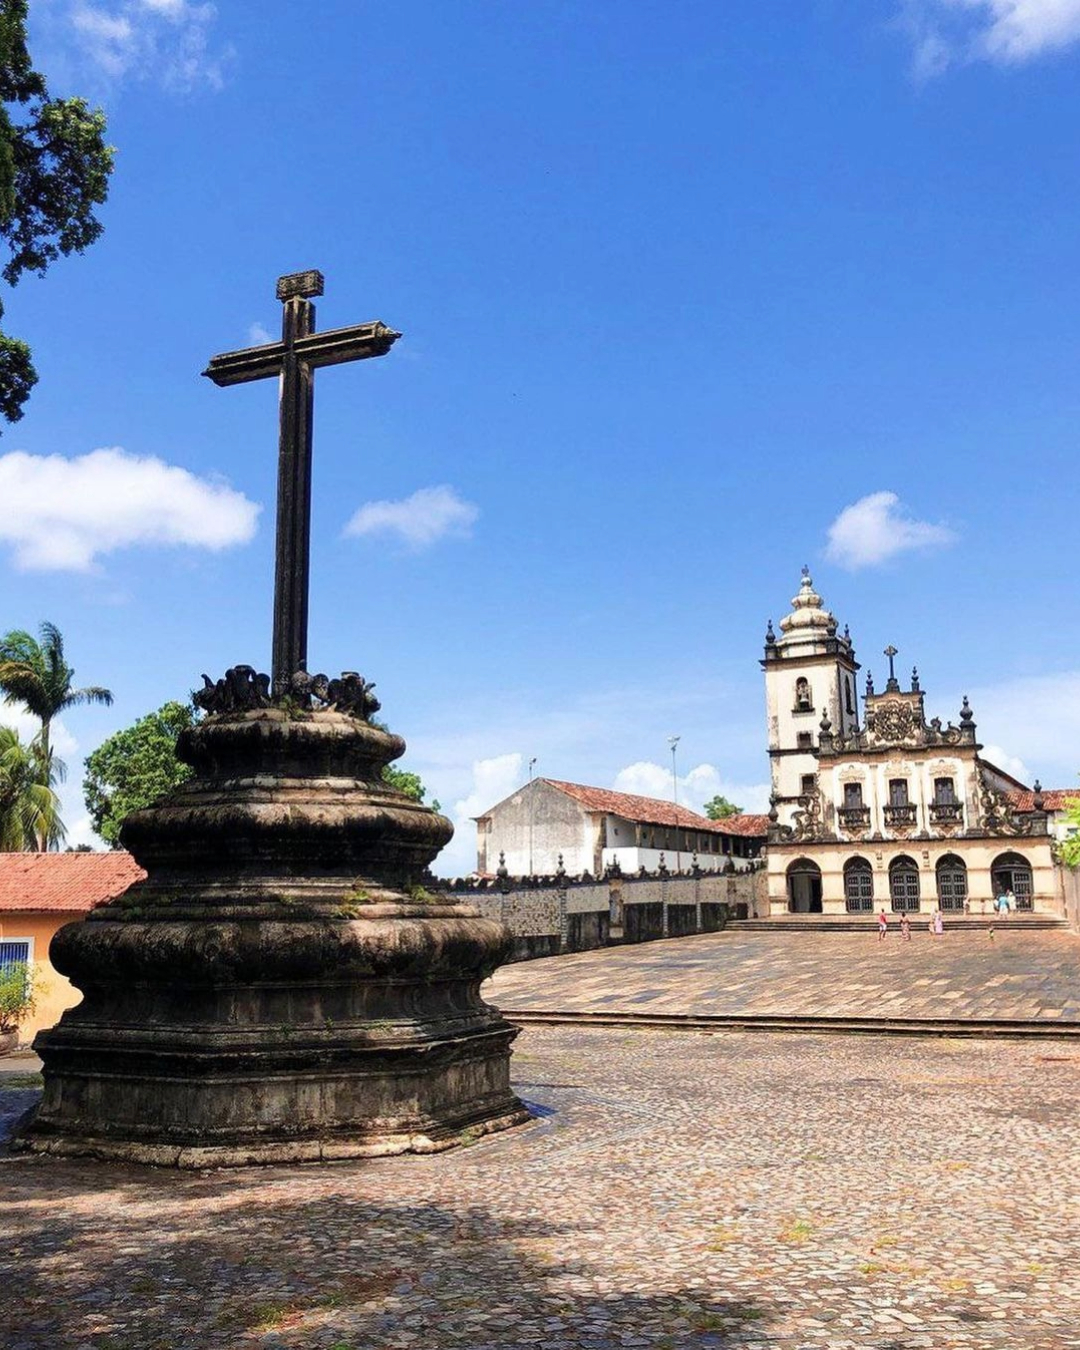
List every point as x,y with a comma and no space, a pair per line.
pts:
809,678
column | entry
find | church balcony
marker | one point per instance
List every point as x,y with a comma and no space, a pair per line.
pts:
854,817
905,813
946,813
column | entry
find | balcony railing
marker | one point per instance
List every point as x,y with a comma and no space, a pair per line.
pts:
854,817
905,813
947,813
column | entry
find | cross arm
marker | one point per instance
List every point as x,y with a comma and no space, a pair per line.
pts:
251,363
336,345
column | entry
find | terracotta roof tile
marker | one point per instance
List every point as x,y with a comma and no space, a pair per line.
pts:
68,883
1054,799
652,811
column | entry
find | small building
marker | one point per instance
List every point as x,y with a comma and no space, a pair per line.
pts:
39,893
892,809
592,829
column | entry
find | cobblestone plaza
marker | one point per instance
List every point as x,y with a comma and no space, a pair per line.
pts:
676,1189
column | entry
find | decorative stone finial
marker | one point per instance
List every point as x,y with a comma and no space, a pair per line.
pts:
1038,801
806,574
892,685
770,636
914,679
847,633
869,684
662,865
560,867
774,814
501,870
966,715
826,724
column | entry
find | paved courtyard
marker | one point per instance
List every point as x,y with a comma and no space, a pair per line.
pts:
1015,975
676,1190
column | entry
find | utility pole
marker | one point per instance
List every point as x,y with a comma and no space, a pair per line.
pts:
532,765
673,741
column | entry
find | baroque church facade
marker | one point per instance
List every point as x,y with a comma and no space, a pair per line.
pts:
885,809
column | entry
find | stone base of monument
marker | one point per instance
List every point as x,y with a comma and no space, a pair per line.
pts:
280,988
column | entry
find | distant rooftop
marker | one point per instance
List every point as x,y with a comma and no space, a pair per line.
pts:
67,883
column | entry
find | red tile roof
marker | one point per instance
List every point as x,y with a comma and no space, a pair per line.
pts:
651,811
67,883
1054,799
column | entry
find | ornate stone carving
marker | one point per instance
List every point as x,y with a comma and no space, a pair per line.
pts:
893,721
808,827
242,689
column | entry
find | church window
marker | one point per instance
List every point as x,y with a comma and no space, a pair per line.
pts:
849,698
803,701
853,796
858,886
944,791
806,741
809,783
904,885
952,887
898,794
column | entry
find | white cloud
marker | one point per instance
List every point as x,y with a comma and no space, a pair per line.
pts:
697,787
165,41
1034,724
61,514
430,514
492,780
954,32
877,528
258,334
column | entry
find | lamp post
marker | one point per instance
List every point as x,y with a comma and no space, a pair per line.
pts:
673,741
532,765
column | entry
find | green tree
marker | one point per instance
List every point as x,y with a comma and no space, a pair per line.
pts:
134,767
1070,848
29,808
36,675
409,783
720,808
54,170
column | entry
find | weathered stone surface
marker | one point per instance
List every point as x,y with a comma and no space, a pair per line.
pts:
279,987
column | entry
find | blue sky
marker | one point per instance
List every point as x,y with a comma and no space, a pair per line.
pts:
691,293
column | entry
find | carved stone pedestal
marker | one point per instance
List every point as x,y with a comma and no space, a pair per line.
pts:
279,988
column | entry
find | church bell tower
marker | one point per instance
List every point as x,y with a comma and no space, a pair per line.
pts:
809,681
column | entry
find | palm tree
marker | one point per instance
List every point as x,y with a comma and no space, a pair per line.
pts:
29,808
36,675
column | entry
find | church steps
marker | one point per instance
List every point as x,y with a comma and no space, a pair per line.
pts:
850,923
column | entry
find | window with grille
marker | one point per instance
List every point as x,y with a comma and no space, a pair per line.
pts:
904,885
14,951
944,791
952,887
806,741
898,792
853,796
858,886
809,783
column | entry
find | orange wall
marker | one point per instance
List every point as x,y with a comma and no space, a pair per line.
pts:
54,992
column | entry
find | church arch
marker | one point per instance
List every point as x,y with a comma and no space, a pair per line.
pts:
804,887
904,884
804,701
952,884
858,886
1012,872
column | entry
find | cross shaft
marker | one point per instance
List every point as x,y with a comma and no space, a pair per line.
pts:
294,360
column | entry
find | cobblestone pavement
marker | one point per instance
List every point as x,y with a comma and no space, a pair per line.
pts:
677,1190
1015,975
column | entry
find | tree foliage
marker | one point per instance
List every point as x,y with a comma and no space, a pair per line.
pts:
17,994
720,809
410,783
1070,848
54,170
29,808
36,674
134,767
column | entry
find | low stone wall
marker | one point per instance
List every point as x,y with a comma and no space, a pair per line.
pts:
548,915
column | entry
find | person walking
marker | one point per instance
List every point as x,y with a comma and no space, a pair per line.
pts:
882,926
939,923
905,927
1010,902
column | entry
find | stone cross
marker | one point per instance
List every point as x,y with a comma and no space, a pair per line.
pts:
892,653
294,360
